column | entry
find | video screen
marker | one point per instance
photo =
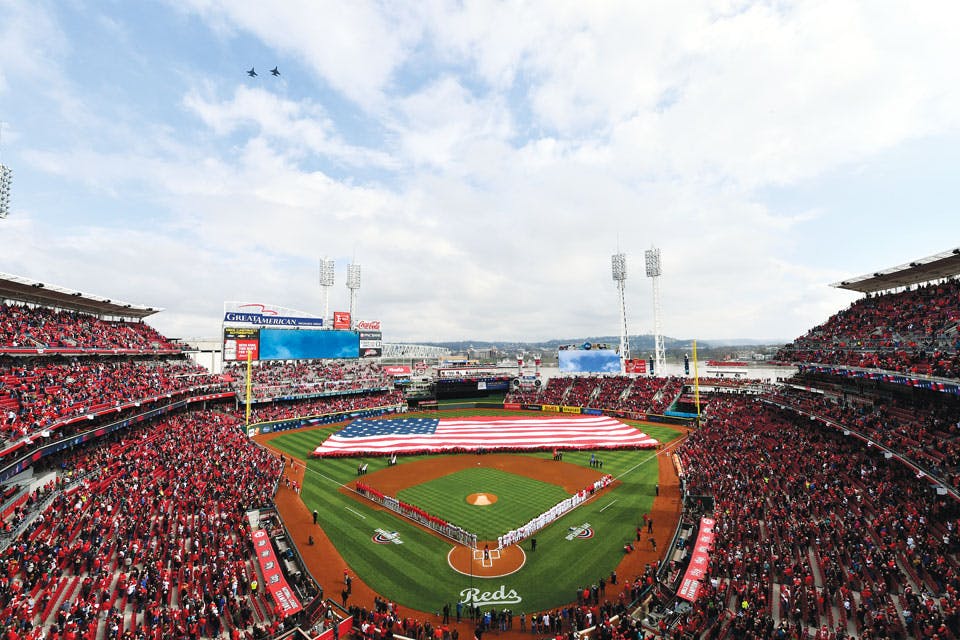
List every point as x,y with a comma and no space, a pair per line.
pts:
291,344
589,361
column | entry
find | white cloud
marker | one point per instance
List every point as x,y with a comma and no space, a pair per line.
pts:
354,46
503,151
299,126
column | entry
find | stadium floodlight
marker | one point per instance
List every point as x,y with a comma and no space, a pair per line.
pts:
326,283
353,284
326,272
619,264
353,276
651,258
6,178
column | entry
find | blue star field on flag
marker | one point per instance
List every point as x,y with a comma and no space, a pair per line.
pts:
405,426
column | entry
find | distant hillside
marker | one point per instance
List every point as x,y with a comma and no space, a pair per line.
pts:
640,345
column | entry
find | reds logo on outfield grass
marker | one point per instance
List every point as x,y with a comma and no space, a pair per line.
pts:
473,595
382,536
582,532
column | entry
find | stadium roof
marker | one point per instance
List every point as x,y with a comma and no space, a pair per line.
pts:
939,265
48,295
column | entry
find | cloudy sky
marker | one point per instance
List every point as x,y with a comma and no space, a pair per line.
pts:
480,160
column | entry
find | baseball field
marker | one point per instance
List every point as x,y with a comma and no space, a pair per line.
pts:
488,494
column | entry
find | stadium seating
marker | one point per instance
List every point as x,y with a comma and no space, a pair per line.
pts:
912,331
607,393
40,395
285,379
148,538
924,431
29,328
816,531
320,406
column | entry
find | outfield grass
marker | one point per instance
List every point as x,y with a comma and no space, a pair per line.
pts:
415,573
519,499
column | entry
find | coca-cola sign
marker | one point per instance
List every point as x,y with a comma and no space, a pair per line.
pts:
368,325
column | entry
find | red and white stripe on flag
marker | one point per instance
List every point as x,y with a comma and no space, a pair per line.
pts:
491,433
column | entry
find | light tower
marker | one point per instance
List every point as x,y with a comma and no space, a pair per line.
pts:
619,262
652,260
326,283
6,178
353,284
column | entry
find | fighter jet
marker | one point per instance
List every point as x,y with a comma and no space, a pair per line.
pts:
275,71
252,73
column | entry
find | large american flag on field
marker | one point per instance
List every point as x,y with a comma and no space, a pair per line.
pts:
419,435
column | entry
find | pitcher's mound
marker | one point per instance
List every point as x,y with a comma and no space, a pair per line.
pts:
481,499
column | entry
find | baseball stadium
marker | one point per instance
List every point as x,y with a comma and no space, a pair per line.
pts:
304,478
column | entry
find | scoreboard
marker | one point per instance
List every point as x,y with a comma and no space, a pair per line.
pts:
239,343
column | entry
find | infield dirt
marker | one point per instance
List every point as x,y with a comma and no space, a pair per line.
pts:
327,566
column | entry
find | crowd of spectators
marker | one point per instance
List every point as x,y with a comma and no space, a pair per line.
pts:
38,394
816,533
29,327
630,395
924,429
910,331
322,406
151,542
601,606
273,379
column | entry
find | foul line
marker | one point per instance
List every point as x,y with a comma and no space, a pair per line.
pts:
355,512
665,450
605,508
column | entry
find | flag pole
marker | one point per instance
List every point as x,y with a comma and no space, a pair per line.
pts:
249,367
696,380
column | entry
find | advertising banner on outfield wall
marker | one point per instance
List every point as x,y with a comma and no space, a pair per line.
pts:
397,370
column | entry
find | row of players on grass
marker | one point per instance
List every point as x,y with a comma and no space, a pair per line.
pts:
614,393
34,327
924,428
910,331
149,539
813,529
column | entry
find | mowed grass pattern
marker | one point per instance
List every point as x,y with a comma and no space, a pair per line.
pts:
519,499
415,574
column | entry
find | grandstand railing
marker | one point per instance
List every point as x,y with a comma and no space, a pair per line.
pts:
26,460
942,484
116,408
327,392
944,385
284,424
74,351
